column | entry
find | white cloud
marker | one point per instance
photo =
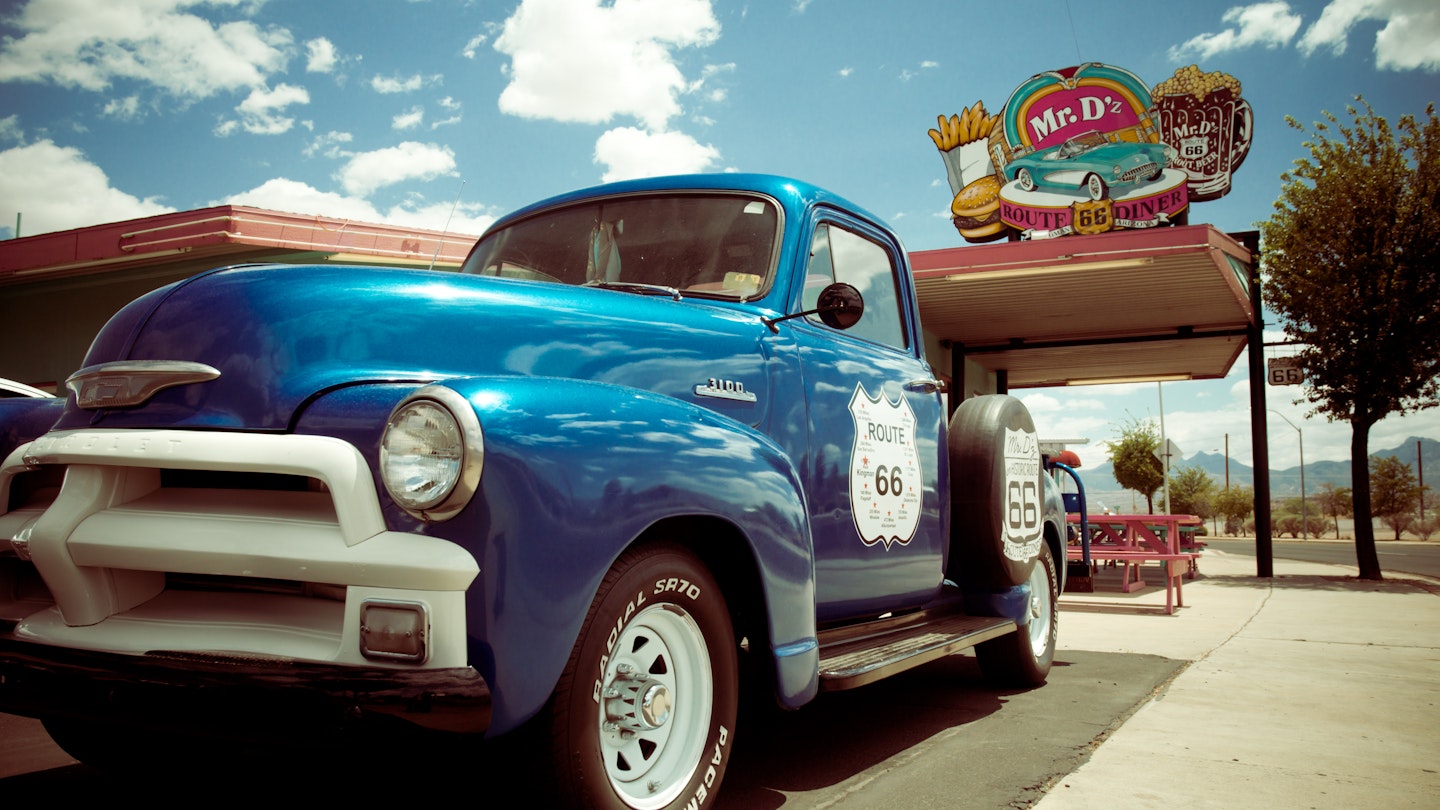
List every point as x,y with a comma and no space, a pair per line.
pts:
709,73
1047,403
320,55
1269,24
261,113
409,119
292,196
845,72
449,103
468,218
368,171
126,109
1409,39
628,152
388,85
330,145
10,130
91,43
578,60
473,46
57,188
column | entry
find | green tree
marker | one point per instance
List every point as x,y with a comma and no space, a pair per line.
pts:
1350,255
1394,493
1191,491
1294,518
1334,503
1234,504
1134,462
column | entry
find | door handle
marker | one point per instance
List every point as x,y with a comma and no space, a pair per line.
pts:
925,386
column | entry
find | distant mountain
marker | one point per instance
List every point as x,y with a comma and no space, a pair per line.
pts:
1101,486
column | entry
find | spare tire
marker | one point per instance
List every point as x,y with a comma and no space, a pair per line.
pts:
996,493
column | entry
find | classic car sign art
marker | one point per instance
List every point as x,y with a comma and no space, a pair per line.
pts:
1089,149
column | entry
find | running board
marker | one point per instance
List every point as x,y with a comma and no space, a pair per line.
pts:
859,654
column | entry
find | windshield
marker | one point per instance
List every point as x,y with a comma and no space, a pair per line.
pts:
720,244
1082,143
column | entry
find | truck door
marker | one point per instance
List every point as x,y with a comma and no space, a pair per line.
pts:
875,466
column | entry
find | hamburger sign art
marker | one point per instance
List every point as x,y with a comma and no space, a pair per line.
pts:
1088,149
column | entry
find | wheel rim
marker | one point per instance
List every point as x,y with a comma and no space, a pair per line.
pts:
1040,614
1027,182
655,706
1096,186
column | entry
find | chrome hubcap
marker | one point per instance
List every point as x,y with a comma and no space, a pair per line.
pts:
654,712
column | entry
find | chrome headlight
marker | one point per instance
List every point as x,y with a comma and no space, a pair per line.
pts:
432,453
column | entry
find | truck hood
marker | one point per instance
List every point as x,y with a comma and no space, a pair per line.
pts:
282,334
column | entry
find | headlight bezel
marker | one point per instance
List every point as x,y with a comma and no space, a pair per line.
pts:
456,494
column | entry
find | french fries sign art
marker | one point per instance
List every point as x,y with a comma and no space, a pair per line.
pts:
1090,149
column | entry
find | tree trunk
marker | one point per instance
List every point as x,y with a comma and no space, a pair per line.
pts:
1365,555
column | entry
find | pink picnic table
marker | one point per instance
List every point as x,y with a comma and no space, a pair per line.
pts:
1132,540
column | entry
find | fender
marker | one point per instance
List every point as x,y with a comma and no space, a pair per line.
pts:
22,420
574,472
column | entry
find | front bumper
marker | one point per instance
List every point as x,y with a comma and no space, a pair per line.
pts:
236,696
140,596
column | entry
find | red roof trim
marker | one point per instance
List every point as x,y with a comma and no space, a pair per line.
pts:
132,240
1062,250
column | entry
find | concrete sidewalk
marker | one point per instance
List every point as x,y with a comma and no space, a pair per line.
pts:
1311,689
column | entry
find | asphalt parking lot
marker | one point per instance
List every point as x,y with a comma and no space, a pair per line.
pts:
938,736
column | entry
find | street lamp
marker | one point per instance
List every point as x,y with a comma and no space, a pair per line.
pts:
1304,520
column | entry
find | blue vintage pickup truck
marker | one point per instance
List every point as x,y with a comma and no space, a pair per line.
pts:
656,441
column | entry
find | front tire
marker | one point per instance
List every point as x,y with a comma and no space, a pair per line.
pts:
1023,658
644,715
1025,179
1095,187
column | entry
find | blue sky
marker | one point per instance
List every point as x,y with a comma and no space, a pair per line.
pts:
113,109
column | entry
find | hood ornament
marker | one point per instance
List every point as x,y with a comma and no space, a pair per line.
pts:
127,383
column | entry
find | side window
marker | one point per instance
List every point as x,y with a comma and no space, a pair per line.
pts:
837,254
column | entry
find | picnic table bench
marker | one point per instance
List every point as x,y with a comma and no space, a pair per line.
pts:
1132,540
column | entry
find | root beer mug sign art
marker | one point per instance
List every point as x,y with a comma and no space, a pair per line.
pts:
1203,116
1090,149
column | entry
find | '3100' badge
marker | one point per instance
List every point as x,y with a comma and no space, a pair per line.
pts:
885,481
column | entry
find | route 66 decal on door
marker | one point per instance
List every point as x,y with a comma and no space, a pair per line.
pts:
885,480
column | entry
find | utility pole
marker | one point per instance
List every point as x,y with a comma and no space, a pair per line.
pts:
1304,519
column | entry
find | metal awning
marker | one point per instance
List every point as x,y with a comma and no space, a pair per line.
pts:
1126,306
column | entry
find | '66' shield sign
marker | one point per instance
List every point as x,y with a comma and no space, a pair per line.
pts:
884,470
1022,495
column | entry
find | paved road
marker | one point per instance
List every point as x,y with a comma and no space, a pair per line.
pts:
1397,558
934,737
